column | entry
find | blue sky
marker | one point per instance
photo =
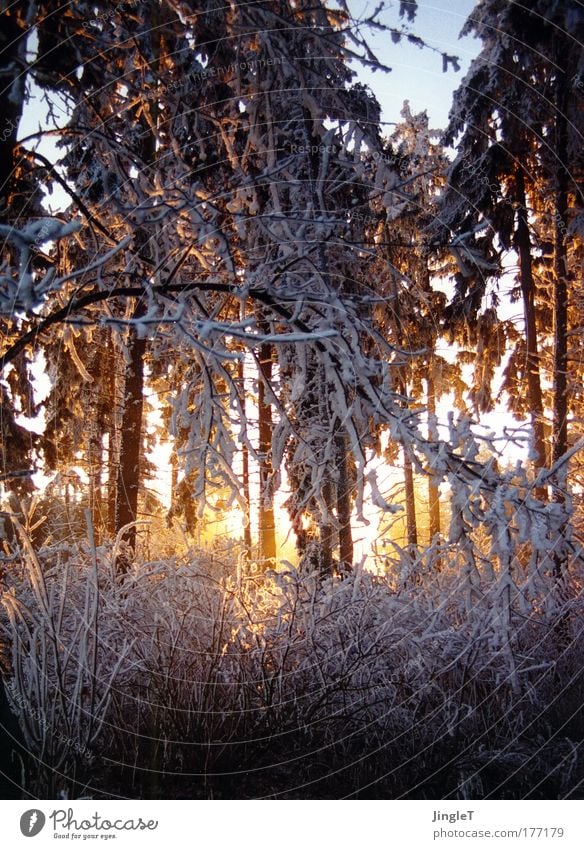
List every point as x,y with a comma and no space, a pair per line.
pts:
416,73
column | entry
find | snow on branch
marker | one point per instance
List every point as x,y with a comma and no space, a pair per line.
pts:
23,289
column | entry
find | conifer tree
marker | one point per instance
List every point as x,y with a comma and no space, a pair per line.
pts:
514,186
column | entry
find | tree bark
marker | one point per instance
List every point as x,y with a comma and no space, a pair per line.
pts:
327,524
523,245
560,404
433,487
131,435
560,378
267,527
13,30
412,528
410,495
97,427
327,532
128,483
112,392
247,541
344,503
94,464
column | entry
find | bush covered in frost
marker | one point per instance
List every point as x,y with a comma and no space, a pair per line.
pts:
183,678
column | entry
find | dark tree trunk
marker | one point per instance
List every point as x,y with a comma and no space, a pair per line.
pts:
267,528
560,406
410,495
111,486
560,382
247,542
173,479
523,245
113,453
94,462
97,427
128,483
327,524
12,32
131,433
344,503
433,487
327,531
412,528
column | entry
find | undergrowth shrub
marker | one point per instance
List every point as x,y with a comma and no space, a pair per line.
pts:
185,677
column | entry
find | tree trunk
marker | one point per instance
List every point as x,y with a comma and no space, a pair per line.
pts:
560,379
131,434
111,392
344,503
97,427
560,406
94,464
412,529
13,29
247,542
173,480
112,484
327,531
325,423
266,528
128,483
433,487
410,495
523,245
